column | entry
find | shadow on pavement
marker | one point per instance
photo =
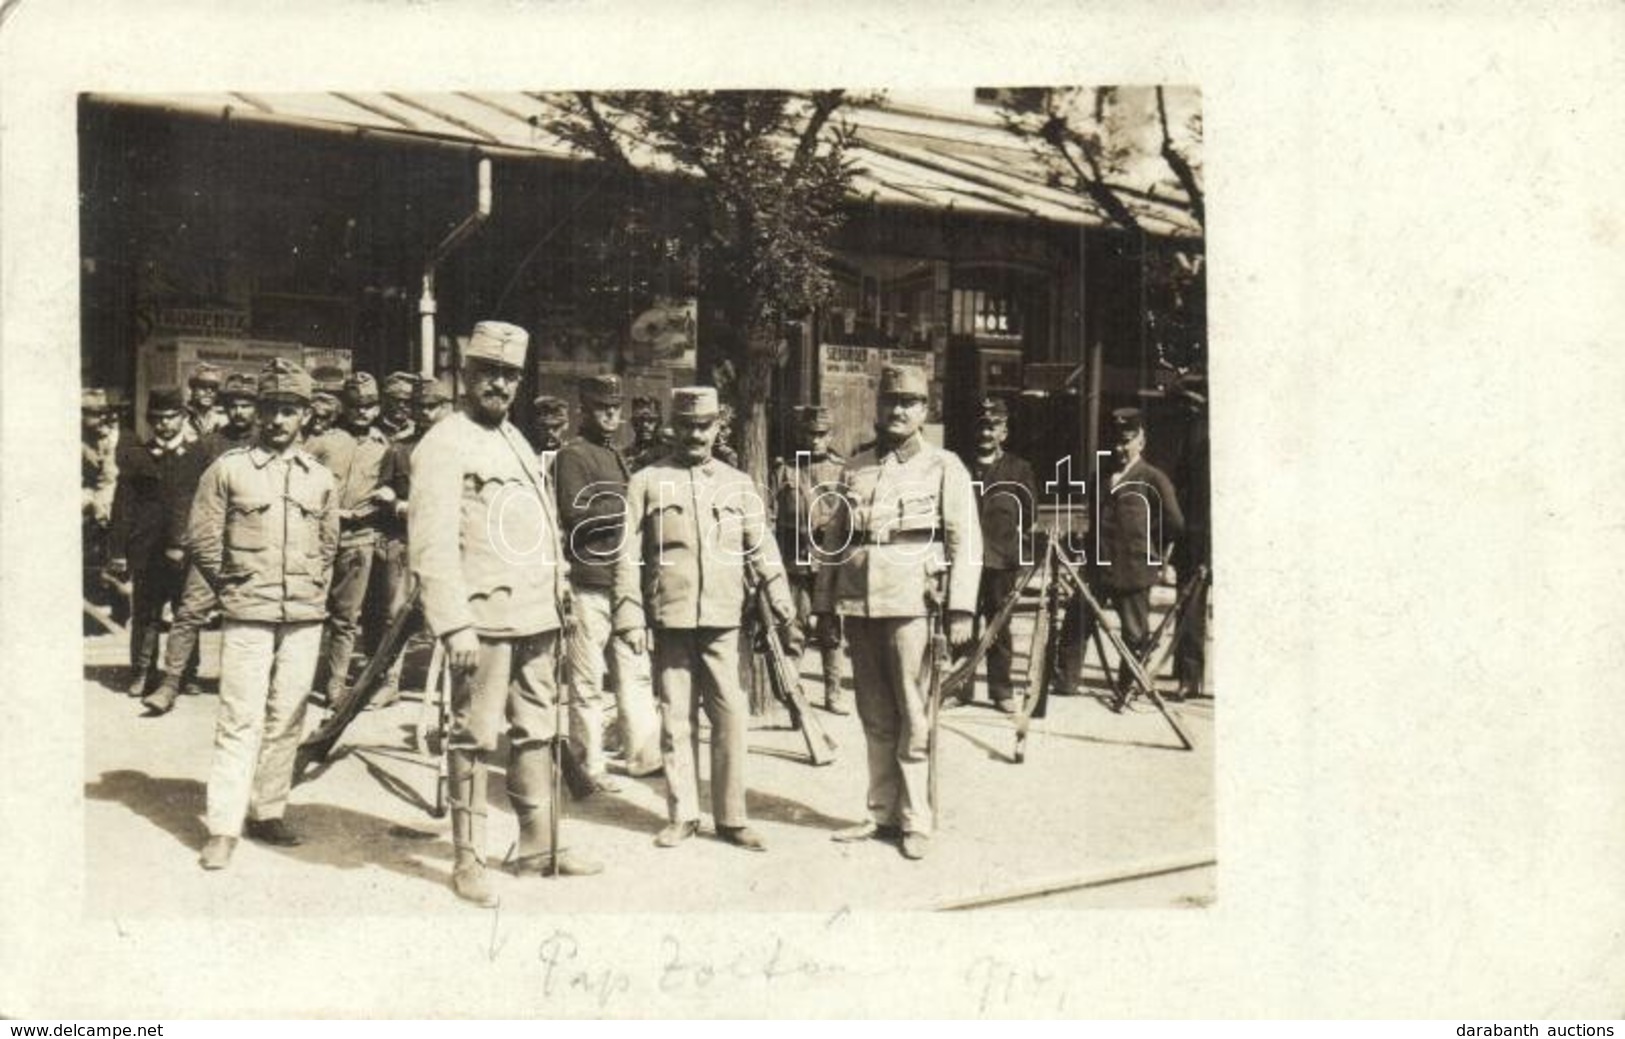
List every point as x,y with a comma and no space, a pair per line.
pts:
173,805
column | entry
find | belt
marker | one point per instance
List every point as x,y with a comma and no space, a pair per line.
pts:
897,537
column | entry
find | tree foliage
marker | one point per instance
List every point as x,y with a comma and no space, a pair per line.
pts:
771,172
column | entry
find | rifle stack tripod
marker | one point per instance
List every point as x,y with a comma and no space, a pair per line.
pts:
1061,583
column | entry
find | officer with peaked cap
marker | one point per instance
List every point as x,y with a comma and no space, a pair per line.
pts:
484,544
1007,502
264,530
591,476
904,542
697,537
804,499
1139,515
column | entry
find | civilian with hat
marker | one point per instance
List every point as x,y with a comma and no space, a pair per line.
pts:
203,415
1007,503
264,531
697,541
358,457
1195,548
552,419
1139,515
155,486
648,445
805,493
240,398
485,548
591,475
905,543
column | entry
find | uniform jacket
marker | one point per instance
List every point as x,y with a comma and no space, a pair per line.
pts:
264,531
361,466
154,497
397,476
906,515
482,533
804,500
694,531
1139,516
591,479
1007,502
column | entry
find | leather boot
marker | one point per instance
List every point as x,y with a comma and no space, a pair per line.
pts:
530,791
467,788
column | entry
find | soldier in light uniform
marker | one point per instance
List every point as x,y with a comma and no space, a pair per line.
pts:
483,541
264,530
695,524
591,478
804,500
905,539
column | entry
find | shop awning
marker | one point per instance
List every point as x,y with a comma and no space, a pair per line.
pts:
908,157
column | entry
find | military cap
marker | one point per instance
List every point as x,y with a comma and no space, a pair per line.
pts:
903,381
814,419
401,385
206,374
552,411
281,379
93,398
240,385
993,410
601,389
694,402
645,407
360,388
434,391
497,342
327,379
165,398
1127,421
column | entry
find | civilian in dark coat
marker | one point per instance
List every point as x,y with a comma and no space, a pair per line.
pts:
1007,502
156,482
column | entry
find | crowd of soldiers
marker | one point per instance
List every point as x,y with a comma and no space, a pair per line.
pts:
288,501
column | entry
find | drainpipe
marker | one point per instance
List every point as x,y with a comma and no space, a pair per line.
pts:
426,302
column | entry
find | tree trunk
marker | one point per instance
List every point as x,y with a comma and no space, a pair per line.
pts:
752,408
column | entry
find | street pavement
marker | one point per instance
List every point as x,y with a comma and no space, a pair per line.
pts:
1106,810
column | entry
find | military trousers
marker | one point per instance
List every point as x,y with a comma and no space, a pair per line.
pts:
996,587
512,687
265,672
591,635
890,672
801,589
698,669
197,601
352,569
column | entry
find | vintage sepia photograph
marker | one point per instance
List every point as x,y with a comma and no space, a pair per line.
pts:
783,500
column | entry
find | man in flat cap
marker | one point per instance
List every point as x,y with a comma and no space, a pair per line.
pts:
1139,515
904,543
1007,502
697,541
264,531
591,476
358,459
805,494
239,396
483,539
203,414
326,405
156,482
552,419
395,421
648,445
